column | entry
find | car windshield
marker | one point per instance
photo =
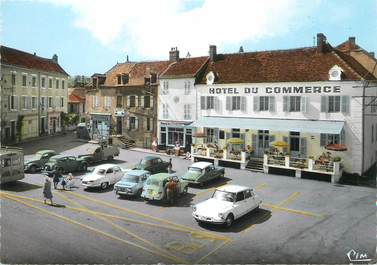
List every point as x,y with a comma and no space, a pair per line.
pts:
53,159
145,162
223,196
195,169
100,171
131,178
153,182
38,156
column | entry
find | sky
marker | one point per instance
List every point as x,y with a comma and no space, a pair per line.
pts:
91,36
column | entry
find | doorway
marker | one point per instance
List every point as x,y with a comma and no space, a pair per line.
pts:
119,125
263,142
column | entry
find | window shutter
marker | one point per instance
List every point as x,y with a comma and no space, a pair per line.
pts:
142,101
254,142
202,102
256,103
228,103
303,148
151,102
145,120
136,101
343,136
136,123
129,123
285,139
128,101
323,140
227,135
285,103
345,104
243,103
304,104
217,103
16,102
272,103
324,103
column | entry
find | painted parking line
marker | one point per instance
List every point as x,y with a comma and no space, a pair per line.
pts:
290,199
92,229
213,251
147,242
277,207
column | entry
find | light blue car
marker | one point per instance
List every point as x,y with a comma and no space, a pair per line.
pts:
131,183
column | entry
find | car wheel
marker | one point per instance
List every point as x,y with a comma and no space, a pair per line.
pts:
104,185
33,169
84,167
229,220
109,158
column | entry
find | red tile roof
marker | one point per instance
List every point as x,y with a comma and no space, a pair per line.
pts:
75,99
295,65
19,58
186,67
347,46
118,69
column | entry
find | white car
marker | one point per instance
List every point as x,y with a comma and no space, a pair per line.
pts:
102,176
227,204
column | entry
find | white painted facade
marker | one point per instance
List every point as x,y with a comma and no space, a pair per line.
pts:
176,109
313,93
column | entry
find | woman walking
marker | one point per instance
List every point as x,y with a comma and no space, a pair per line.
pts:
47,193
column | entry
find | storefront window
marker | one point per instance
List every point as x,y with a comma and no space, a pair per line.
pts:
294,141
174,135
163,136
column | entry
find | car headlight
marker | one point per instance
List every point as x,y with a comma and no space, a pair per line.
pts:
194,208
221,215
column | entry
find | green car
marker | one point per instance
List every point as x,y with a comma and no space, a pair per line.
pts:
202,172
153,164
65,164
37,161
154,187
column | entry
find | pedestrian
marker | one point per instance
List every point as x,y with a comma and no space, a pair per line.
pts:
64,182
154,144
170,189
69,181
170,166
177,148
56,179
47,193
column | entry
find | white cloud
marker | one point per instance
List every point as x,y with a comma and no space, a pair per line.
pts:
149,28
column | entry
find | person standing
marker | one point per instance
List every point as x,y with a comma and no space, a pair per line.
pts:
47,193
170,189
170,166
177,148
56,179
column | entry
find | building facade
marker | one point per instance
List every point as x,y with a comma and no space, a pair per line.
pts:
306,100
177,100
76,103
33,95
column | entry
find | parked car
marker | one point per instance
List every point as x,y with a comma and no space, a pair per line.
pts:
202,172
154,188
37,161
65,164
227,204
131,183
102,176
153,164
97,153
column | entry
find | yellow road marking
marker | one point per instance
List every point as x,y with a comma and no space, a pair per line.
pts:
291,197
127,231
93,229
148,216
213,251
276,207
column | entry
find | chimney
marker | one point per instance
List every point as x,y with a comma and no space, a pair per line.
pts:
127,59
212,53
174,55
55,58
241,49
35,54
352,43
321,42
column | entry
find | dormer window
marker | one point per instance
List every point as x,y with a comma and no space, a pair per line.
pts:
125,79
335,73
210,78
119,77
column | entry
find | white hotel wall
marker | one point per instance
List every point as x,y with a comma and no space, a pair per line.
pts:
353,120
370,119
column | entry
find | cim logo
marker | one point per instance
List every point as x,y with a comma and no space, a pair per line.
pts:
354,256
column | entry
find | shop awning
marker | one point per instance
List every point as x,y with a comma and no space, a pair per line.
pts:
283,125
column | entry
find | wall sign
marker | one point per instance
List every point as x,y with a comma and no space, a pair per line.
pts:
276,90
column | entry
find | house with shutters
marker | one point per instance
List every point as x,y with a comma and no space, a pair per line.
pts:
302,111
177,100
123,101
33,95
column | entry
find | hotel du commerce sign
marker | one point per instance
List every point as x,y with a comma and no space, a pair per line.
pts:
276,90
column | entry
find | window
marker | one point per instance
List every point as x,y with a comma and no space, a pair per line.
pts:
63,84
207,102
13,103
165,89
49,82
236,103
132,123
57,83
43,82
34,81
149,127
175,135
264,103
332,139
187,87
236,133
24,103
295,103
240,196
294,141
147,101
119,101
165,111
211,135
107,102
50,102
132,101
163,136
187,112
61,102
222,135
13,79
334,104
24,77
119,78
34,102
125,79
43,103
95,102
